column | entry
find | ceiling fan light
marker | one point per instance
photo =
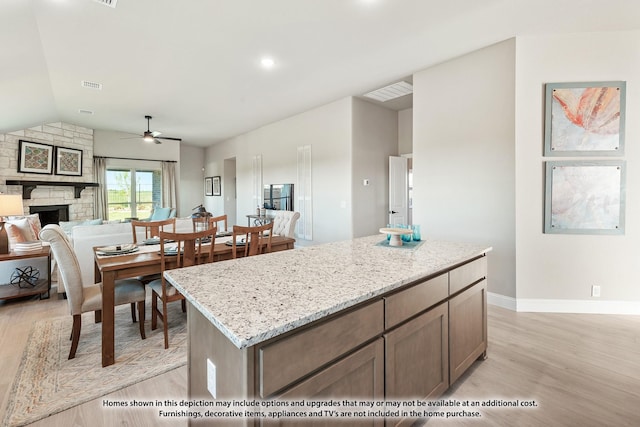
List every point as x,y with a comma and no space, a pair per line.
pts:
148,137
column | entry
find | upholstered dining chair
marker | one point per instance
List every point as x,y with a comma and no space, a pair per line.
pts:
284,223
177,250
257,239
152,228
85,297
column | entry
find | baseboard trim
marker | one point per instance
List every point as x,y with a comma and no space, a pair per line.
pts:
503,301
564,305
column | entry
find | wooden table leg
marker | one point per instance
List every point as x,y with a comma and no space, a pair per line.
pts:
108,339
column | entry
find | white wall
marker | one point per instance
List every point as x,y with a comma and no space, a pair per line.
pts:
191,187
328,130
464,155
375,138
405,131
555,270
119,144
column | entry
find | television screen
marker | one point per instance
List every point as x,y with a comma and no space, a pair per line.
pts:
278,197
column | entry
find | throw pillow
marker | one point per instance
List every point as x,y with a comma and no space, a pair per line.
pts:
19,230
68,225
34,223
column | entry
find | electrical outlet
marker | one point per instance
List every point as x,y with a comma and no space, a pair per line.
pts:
595,291
211,378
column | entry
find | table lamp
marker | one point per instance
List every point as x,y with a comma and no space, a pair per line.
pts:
10,204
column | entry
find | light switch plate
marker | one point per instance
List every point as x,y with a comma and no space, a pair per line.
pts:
211,378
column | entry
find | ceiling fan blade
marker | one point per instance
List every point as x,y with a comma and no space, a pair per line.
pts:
133,137
169,138
155,133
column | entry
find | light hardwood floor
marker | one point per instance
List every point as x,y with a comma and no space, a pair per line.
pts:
582,370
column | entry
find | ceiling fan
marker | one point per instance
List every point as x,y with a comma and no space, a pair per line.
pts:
149,136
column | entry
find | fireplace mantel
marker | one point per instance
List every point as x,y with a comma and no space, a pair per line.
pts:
28,186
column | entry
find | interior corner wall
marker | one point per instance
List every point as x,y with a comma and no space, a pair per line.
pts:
464,155
375,138
328,130
405,131
191,187
561,268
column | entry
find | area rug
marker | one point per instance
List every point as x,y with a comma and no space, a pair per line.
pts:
47,382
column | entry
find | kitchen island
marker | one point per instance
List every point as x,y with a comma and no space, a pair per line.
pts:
351,319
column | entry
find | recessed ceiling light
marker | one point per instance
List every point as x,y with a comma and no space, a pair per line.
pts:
267,62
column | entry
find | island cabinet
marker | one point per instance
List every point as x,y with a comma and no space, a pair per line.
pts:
409,339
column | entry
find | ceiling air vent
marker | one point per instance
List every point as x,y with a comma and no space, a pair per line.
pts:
81,111
393,91
110,3
91,85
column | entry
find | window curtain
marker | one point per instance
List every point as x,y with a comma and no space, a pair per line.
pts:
169,185
100,198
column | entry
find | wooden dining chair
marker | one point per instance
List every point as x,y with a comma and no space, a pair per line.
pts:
177,250
87,297
203,223
257,239
152,228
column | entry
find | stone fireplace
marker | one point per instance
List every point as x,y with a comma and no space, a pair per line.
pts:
51,214
67,203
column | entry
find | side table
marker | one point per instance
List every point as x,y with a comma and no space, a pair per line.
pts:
43,285
258,220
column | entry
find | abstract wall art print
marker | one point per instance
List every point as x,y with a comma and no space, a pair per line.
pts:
585,119
68,161
34,157
585,197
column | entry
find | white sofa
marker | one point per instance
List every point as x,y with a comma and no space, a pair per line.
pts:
85,237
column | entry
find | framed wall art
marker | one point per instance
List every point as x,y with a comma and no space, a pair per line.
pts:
208,186
217,191
585,197
35,157
584,119
68,161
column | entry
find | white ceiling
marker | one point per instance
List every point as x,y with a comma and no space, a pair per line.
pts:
194,65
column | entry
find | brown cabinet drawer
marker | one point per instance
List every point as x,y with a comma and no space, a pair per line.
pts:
467,274
411,301
287,360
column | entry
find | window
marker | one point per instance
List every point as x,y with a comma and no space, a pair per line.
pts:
133,193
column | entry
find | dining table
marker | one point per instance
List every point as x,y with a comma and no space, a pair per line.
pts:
145,260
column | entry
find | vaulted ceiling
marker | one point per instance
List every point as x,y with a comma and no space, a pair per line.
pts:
195,65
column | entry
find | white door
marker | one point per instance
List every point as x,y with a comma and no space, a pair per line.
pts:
398,190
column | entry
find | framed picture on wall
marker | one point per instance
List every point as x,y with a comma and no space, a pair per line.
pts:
68,161
217,191
34,157
584,119
208,186
585,197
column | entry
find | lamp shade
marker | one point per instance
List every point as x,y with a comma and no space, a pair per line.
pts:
11,204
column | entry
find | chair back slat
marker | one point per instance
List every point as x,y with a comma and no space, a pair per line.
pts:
152,228
190,249
256,239
203,223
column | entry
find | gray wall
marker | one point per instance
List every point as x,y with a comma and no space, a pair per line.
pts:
375,138
328,130
558,270
464,155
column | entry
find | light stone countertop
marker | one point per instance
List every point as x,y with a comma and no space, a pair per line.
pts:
253,299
